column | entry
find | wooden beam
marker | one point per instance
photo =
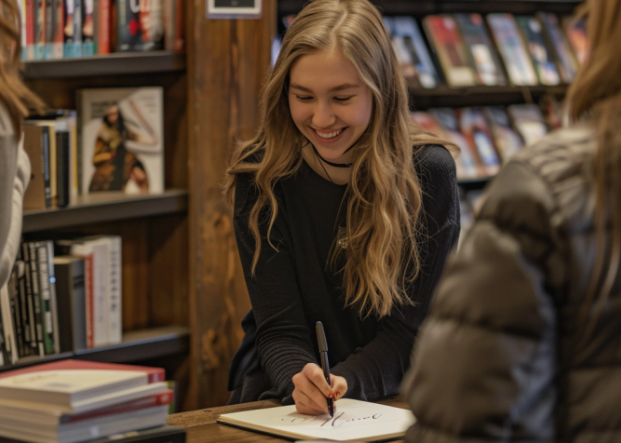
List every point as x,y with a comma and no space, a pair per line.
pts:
227,62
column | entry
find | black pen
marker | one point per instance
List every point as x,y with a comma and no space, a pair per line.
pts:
323,354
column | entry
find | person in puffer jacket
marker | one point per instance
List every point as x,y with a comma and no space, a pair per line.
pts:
523,339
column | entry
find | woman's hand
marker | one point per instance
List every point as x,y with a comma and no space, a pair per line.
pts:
312,390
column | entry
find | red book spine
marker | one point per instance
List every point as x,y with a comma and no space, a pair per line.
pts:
163,398
104,27
179,44
88,286
30,30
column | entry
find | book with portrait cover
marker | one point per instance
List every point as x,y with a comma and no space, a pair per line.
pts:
412,53
446,40
468,166
140,25
528,121
538,50
506,139
575,30
566,64
482,52
475,129
121,140
509,42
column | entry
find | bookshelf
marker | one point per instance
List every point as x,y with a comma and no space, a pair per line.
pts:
106,207
153,228
112,64
137,345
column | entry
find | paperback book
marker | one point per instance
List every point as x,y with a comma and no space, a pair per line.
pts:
536,44
575,29
565,61
475,129
121,140
412,53
528,122
444,36
506,139
511,47
482,52
140,25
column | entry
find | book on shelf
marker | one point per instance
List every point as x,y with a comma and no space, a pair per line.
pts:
174,38
532,32
446,41
72,29
506,139
566,64
121,139
102,257
511,47
412,53
71,303
467,163
575,30
140,25
38,194
528,121
474,128
483,54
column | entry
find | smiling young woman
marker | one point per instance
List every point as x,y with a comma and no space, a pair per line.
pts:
344,213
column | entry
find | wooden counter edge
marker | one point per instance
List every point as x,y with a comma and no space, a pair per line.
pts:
208,416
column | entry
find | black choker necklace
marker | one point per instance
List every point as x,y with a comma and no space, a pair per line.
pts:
336,165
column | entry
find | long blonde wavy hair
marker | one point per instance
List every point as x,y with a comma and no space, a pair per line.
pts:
384,194
596,93
14,95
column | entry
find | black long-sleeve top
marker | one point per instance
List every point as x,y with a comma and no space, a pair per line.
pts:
295,287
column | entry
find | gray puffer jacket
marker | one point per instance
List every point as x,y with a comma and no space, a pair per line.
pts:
501,356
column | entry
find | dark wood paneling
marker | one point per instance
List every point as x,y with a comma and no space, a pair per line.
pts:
227,65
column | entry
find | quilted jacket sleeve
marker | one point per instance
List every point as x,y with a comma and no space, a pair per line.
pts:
484,364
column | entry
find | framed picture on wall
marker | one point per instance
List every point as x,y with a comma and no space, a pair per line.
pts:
233,8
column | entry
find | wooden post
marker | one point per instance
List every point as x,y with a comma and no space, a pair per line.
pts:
228,61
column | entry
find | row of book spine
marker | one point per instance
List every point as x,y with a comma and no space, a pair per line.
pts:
522,50
54,29
62,296
488,136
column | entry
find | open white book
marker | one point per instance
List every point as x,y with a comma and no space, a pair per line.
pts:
353,420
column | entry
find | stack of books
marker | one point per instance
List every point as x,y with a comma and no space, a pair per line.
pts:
74,401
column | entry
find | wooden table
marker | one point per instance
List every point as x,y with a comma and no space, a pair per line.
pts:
202,427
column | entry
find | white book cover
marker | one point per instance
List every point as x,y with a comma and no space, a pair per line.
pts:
121,135
7,326
352,420
15,407
65,387
99,428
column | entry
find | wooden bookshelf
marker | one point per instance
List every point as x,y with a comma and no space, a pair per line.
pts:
105,65
426,7
474,184
445,96
106,207
136,346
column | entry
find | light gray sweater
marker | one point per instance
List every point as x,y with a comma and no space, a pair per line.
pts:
14,178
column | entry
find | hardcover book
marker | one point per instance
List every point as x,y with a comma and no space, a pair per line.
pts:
412,53
482,52
466,162
475,129
121,140
538,49
72,27
506,139
444,34
140,25
509,42
575,29
528,122
64,384
565,61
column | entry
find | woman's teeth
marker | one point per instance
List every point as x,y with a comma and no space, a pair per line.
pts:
328,134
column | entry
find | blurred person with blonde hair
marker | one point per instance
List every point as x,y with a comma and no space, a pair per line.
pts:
344,213
523,339
15,102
